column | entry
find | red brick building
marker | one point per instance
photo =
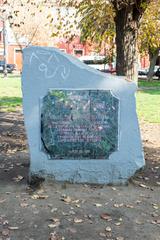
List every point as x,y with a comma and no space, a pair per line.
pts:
13,50
74,47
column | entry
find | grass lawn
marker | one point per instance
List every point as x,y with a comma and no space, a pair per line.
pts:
144,83
148,101
10,92
148,105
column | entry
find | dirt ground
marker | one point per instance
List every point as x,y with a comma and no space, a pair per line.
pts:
57,211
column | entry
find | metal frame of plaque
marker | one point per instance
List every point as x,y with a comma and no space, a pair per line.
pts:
79,124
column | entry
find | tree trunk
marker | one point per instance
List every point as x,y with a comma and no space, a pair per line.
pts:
127,23
153,55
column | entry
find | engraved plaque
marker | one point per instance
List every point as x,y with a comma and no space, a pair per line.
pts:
79,124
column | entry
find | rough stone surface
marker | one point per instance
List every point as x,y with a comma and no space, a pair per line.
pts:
48,70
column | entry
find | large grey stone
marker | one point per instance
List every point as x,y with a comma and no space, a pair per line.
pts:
81,124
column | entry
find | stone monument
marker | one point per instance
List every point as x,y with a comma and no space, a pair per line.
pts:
81,124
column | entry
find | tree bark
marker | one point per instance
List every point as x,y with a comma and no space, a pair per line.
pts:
127,23
153,55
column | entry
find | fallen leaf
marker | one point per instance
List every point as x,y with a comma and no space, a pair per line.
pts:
66,199
98,205
54,236
54,225
41,191
13,228
156,221
5,222
78,205
53,210
5,232
116,205
72,212
106,216
18,164
78,220
24,205
118,223
155,206
143,185
90,216
55,220
43,196
18,178
108,229
155,215
76,201
129,206
36,196
102,234
139,222
2,200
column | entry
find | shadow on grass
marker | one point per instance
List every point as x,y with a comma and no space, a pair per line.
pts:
145,83
150,91
11,75
10,102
